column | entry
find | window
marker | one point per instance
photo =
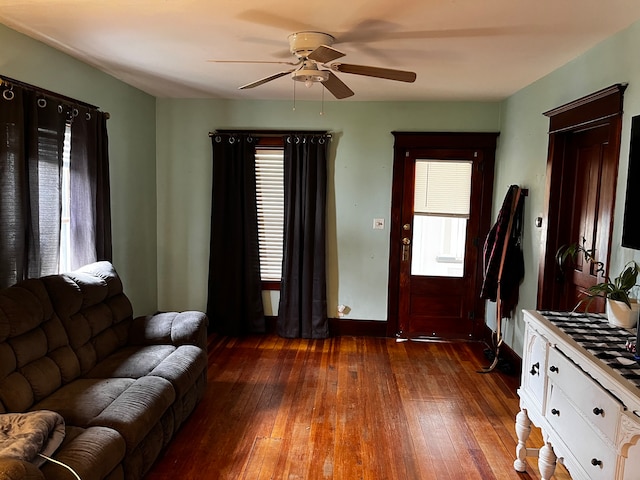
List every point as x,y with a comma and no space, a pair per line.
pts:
54,196
64,264
270,202
442,201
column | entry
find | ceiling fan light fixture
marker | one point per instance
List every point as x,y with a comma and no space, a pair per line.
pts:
314,50
310,76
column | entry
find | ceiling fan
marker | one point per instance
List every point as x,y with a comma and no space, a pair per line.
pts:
315,54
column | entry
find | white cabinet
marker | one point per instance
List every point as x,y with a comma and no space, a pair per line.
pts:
582,388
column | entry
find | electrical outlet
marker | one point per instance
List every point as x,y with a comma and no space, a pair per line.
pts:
378,223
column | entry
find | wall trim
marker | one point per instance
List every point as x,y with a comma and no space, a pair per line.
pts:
339,327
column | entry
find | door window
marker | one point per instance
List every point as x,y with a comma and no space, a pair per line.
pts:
442,200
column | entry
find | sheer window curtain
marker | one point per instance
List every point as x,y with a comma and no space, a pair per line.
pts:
235,290
303,299
32,130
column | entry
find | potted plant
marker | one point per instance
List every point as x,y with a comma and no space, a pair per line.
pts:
622,310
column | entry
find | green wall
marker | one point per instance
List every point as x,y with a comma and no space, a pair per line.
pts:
522,153
132,153
161,169
360,178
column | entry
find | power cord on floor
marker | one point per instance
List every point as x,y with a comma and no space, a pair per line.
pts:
61,464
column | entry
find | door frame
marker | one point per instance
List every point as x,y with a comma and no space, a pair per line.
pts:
603,107
405,142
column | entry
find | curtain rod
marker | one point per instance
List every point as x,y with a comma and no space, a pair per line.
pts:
270,133
12,81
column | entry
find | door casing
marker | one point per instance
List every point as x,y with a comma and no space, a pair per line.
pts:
485,143
602,109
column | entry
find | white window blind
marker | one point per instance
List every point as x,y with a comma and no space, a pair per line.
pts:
270,200
65,219
443,188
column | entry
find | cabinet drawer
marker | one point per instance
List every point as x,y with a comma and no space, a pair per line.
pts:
592,453
596,404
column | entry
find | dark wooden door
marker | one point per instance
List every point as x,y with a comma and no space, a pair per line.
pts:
436,259
586,207
582,167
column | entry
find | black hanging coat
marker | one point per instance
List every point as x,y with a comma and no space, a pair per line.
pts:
513,269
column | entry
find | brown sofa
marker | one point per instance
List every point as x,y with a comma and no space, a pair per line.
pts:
123,385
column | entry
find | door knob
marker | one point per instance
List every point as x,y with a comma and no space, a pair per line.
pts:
405,248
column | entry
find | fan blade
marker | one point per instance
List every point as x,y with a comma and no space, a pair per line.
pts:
269,19
388,73
262,81
325,54
337,87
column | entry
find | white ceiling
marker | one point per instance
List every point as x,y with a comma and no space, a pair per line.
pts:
460,49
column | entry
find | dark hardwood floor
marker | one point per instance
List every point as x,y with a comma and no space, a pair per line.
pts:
349,408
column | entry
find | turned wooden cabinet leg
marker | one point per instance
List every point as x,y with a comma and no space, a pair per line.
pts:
523,429
547,461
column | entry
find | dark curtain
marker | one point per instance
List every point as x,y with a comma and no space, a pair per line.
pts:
33,124
303,298
235,290
31,145
89,182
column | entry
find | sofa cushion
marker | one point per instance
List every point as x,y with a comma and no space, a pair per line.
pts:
131,407
23,307
35,358
82,400
131,362
138,409
12,469
182,368
92,453
177,328
93,309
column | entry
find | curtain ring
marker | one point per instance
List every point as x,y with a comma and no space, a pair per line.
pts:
250,139
289,139
42,102
75,112
218,139
8,94
88,116
297,139
60,109
232,140
321,140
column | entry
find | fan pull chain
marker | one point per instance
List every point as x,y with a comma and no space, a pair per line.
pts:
294,96
322,104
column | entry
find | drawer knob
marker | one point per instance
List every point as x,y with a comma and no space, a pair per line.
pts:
598,411
555,411
534,368
596,463
553,368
